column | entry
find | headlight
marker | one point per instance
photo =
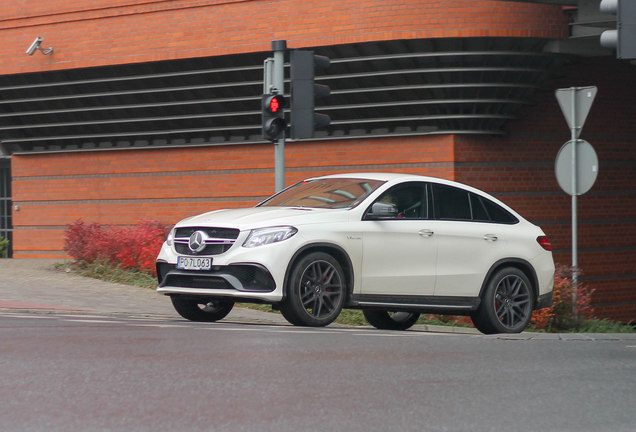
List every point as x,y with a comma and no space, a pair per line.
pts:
265,236
170,238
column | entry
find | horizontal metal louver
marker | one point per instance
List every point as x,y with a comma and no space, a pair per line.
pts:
471,86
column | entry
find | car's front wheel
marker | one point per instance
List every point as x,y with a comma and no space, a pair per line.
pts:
316,291
201,310
506,305
385,320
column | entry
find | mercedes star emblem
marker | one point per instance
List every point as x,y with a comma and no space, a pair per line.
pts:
197,241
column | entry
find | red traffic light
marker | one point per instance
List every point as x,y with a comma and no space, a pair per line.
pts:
274,103
273,120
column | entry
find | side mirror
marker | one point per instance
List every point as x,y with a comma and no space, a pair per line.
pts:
380,210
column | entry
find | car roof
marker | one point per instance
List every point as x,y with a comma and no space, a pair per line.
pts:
377,176
396,177
400,177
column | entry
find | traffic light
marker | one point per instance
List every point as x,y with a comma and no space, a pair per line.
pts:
273,116
623,39
304,93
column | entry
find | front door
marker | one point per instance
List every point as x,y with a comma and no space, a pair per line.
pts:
399,252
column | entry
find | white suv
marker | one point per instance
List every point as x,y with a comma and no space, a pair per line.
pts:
392,245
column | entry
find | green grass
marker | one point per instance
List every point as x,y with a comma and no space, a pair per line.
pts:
604,326
105,271
354,317
346,317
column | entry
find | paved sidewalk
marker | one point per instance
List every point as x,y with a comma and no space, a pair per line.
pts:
35,284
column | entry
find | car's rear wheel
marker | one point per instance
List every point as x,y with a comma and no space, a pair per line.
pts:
385,320
201,310
316,291
507,303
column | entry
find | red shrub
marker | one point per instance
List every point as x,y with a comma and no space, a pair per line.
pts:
133,247
560,315
81,240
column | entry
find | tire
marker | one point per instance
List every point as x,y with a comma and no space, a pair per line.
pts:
201,310
507,303
316,291
385,320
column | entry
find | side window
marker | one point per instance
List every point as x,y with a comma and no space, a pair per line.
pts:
498,214
451,203
410,200
457,204
480,214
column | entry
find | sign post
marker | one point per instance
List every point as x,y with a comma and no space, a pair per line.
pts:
575,104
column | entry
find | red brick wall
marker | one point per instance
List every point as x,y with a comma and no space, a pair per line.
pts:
88,33
519,169
123,187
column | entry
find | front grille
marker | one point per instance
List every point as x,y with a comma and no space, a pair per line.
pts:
217,240
213,249
193,281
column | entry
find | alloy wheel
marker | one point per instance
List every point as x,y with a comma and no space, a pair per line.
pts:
321,289
512,301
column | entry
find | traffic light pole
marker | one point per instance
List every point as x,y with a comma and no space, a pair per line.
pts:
279,47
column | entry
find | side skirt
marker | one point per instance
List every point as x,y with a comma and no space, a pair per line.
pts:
422,304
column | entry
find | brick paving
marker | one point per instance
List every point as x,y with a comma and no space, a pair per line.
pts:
36,285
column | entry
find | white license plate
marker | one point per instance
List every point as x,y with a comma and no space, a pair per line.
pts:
192,263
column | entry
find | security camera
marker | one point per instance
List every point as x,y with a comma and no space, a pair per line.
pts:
35,45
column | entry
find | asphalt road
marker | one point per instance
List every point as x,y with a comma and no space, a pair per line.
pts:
95,372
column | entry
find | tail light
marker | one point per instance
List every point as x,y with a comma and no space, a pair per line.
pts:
544,242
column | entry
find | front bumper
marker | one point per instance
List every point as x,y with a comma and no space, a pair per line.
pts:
242,273
246,277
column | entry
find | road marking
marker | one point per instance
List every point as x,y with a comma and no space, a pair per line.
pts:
330,331
25,316
392,335
267,329
240,327
294,331
157,325
95,321
85,318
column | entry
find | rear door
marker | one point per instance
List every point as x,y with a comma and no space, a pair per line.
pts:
468,242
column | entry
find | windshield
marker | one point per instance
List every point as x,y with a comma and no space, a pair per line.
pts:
333,193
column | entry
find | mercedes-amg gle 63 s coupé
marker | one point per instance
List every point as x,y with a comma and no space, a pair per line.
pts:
392,245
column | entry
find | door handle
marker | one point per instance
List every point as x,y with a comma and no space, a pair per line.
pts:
425,233
490,237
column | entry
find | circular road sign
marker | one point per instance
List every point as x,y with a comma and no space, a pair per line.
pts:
586,167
